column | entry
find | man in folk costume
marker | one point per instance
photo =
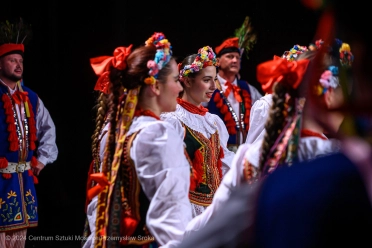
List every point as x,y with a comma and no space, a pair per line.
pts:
27,140
234,97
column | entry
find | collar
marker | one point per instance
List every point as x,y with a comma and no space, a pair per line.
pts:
11,91
223,81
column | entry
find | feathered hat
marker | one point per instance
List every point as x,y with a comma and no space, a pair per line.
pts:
243,41
13,36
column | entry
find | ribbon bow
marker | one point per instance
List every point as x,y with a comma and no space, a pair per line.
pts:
20,96
281,70
235,89
102,64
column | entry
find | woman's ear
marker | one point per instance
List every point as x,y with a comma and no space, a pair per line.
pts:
327,97
155,88
187,82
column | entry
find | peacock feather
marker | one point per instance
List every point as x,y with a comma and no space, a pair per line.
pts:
247,38
17,33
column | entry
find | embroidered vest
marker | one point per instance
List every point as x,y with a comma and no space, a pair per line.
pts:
128,206
205,156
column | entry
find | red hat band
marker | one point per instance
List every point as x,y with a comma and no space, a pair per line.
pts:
8,48
231,42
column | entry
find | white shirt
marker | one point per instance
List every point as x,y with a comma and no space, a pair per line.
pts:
47,150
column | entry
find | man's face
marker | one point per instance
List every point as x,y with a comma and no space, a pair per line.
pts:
230,62
11,67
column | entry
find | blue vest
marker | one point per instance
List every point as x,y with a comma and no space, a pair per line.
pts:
12,156
243,85
18,194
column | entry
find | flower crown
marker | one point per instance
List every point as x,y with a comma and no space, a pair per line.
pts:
294,52
162,56
328,79
205,57
346,57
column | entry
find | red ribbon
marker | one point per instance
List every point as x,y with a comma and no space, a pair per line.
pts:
101,66
20,96
101,181
234,88
281,70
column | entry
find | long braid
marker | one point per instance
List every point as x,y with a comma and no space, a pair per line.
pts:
274,124
112,107
101,114
113,103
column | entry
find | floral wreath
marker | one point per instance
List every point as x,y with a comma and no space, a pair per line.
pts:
205,57
328,79
294,52
346,57
162,56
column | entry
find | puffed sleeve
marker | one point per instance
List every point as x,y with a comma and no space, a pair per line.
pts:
47,150
224,137
257,120
173,121
255,94
164,174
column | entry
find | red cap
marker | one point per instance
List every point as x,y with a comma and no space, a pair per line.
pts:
8,48
231,42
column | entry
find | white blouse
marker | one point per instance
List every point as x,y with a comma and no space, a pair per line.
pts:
309,148
207,125
164,174
259,112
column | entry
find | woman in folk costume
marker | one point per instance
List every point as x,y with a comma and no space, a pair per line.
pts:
142,186
204,134
96,180
234,98
27,139
260,109
292,134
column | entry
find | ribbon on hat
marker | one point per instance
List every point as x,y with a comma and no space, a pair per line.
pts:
270,72
102,64
231,42
235,89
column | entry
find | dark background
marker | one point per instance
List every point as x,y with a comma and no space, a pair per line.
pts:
67,34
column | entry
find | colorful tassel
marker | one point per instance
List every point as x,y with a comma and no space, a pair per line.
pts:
128,226
36,181
7,175
3,163
34,161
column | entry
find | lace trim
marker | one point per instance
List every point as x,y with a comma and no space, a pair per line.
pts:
196,122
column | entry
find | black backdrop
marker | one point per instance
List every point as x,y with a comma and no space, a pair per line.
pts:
66,34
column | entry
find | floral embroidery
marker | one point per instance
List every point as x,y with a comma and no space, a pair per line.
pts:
12,194
1,202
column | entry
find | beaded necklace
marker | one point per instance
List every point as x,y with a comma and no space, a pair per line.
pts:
146,112
192,108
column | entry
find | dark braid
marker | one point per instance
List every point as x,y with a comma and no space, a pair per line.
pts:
274,123
101,112
113,103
